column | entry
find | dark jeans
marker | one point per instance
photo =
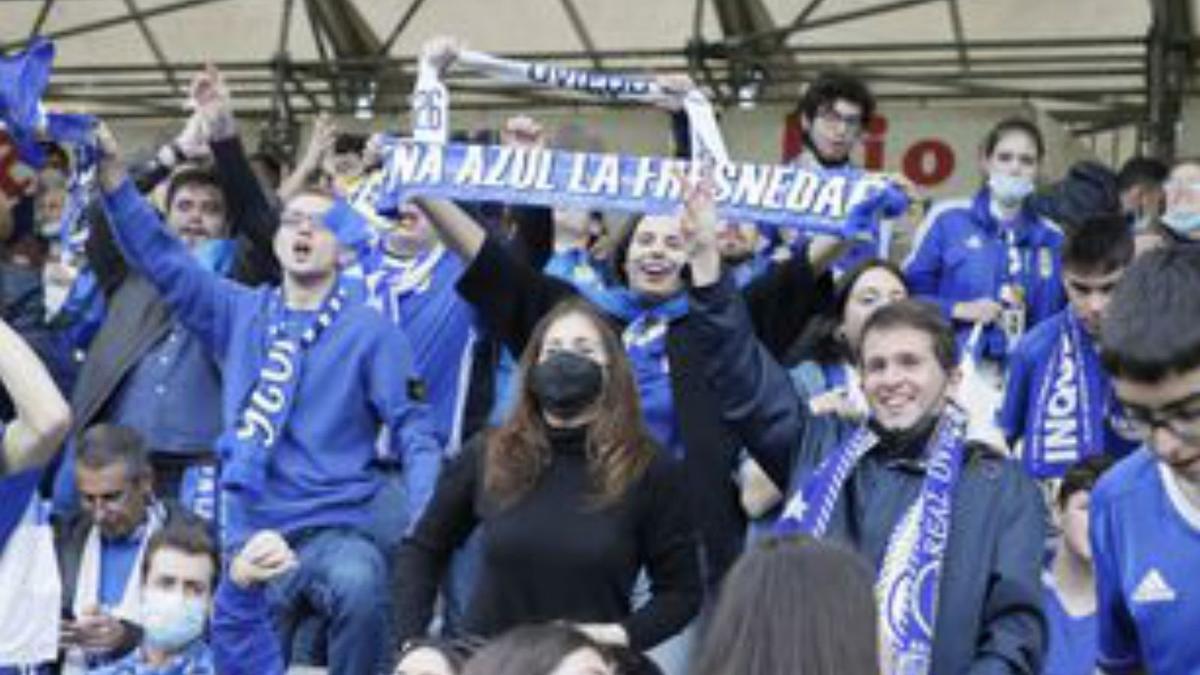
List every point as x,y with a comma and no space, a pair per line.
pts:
342,578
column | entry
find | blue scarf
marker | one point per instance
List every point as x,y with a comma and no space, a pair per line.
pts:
908,584
1066,423
574,266
645,339
246,450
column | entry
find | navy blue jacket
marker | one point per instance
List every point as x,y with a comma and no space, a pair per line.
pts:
990,617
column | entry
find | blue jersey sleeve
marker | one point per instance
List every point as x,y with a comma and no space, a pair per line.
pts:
1119,651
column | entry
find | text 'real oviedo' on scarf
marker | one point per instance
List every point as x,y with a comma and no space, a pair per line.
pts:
808,198
907,585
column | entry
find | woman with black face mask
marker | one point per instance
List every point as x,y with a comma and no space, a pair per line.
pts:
572,498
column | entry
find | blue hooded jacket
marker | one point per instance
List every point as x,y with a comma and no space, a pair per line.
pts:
960,256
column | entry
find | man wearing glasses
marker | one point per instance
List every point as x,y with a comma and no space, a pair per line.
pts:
1145,514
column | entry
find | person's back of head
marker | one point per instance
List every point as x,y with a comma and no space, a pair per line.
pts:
793,605
544,649
1152,327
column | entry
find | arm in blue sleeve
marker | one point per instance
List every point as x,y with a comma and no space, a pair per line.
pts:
923,270
1012,416
1118,650
243,638
395,392
1014,628
201,300
754,391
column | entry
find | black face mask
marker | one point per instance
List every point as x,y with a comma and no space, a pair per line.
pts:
565,383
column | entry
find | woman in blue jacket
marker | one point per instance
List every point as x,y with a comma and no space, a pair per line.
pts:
991,259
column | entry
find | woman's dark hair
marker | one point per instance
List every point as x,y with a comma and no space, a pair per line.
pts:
1009,125
920,316
821,341
829,87
619,446
529,650
793,605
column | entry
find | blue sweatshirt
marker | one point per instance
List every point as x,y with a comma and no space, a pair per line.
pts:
961,256
353,383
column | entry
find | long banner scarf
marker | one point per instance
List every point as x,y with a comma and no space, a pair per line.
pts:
907,588
261,422
805,198
1066,423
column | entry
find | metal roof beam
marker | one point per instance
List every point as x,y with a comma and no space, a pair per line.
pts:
152,42
93,26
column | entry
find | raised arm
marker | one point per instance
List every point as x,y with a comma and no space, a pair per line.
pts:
42,419
509,296
754,392
200,299
254,217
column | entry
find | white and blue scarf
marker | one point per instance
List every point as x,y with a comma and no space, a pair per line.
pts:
246,451
1066,422
907,588
645,340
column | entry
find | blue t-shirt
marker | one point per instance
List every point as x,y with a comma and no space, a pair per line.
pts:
1146,541
117,557
1072,647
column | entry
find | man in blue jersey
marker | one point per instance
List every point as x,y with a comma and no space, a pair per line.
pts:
310,380
1145,513
1058,402
29,588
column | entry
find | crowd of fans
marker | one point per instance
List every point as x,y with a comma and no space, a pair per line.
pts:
255,425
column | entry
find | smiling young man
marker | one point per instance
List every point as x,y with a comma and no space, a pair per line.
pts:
1058,401
1145,513
906,490
310,379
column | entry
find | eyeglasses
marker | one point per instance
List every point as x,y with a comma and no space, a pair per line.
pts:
830,116
1181,418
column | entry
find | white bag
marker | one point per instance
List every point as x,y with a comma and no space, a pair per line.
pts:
30,591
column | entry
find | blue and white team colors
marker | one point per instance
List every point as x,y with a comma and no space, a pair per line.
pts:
1146,541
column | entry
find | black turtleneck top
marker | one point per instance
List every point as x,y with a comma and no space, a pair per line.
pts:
552,555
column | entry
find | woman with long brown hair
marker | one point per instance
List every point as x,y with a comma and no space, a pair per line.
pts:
572,498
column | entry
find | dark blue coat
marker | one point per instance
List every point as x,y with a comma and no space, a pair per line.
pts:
990,617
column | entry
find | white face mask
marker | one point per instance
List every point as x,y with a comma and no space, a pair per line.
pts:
1009,190
1182,222
170,620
